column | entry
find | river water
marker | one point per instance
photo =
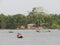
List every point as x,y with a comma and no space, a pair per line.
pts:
31,37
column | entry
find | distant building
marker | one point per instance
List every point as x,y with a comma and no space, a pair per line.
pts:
30,26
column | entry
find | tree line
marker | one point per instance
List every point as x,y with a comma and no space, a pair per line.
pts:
51,21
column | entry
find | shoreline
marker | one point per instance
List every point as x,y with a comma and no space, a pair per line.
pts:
29,29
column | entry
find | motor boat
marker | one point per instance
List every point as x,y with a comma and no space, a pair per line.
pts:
19,35
11,32
37,30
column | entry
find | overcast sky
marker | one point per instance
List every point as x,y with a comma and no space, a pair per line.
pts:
24,6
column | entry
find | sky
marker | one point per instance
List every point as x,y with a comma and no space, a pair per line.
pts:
11,7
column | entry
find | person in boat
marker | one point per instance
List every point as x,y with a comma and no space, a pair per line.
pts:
19,35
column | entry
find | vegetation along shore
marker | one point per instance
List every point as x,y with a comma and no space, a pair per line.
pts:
33,20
